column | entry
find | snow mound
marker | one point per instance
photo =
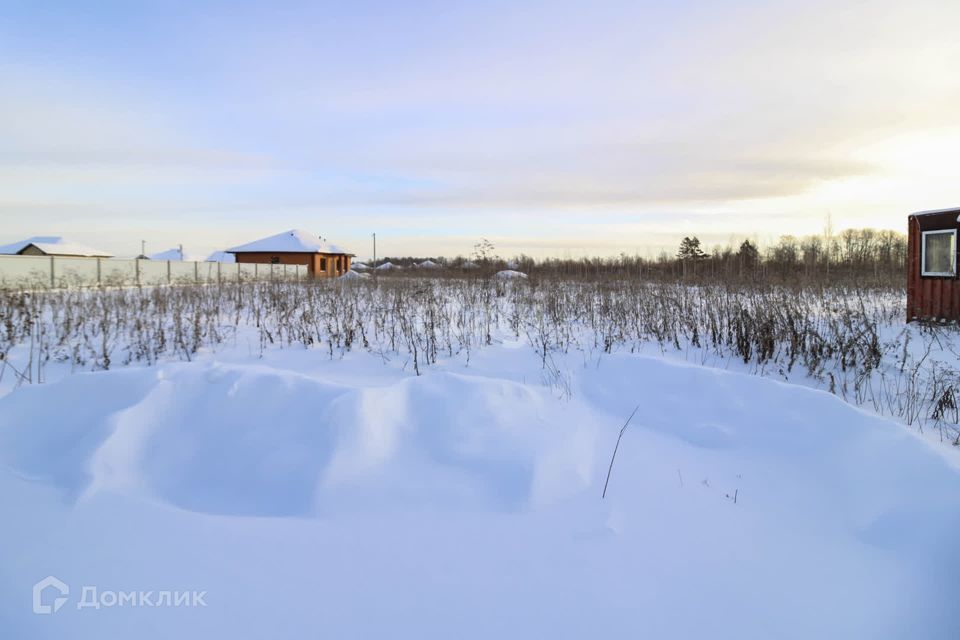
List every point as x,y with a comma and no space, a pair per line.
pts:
387,266
353,275
428,264
462,505
249,440
509,274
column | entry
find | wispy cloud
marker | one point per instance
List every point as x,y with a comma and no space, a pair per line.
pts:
447,115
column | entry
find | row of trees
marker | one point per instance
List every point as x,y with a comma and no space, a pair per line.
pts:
865,256
858,254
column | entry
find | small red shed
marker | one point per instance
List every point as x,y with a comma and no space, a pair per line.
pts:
933,291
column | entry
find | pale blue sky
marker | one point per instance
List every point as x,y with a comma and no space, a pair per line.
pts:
552,128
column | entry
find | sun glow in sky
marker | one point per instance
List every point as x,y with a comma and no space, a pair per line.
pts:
550,127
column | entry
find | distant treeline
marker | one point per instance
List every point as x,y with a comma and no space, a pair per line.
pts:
863,256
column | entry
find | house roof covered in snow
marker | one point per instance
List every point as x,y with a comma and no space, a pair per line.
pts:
293,241
221,256
935,211
53,246
176,255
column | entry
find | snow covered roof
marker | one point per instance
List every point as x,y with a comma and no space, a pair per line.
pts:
221,256
174,254
428,264
932,211
54,245
293,241
386,266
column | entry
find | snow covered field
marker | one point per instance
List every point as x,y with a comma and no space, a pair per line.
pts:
335,493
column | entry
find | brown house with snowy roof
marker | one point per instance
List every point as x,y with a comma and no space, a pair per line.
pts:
322,259
52,246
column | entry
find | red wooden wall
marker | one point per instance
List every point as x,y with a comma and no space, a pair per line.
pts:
930,297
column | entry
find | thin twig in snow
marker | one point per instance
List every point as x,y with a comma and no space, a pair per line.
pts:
617,446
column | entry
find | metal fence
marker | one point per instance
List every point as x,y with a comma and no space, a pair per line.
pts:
61,272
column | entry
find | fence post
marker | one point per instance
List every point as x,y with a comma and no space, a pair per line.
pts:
52,273
136,269
219,280
169,278
196,273
99,272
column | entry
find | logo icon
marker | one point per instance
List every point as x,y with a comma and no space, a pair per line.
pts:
50,581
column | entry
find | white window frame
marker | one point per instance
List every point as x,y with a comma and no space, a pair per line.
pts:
923,254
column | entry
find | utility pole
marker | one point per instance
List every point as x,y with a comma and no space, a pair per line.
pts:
143,248
374,254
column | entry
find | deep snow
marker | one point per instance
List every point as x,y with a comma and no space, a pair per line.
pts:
350,498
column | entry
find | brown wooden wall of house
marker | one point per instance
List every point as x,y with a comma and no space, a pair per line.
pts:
930,297
319,265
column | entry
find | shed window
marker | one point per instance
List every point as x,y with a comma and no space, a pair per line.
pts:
323,264
275,260
939,253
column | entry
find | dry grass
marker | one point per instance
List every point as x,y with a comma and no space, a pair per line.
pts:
851,341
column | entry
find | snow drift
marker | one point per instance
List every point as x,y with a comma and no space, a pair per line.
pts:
255,441
346,495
